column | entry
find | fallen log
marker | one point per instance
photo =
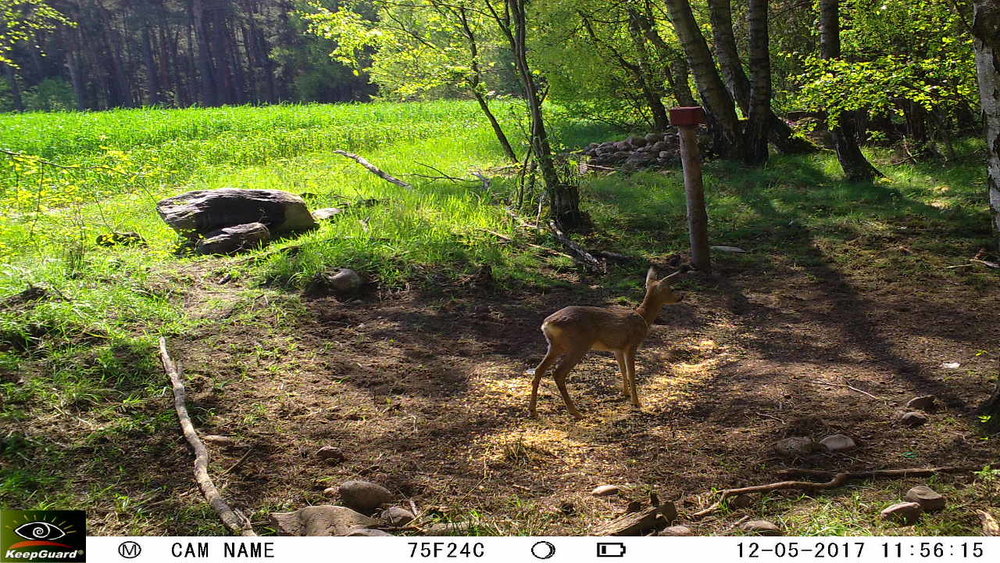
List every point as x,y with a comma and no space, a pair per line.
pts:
374,169
238,524
581,254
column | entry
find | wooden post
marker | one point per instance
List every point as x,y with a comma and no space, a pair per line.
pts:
687,119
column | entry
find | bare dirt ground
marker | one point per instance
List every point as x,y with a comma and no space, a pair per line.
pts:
427,394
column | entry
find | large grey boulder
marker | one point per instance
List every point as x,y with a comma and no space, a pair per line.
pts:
323,520
203,211
230,240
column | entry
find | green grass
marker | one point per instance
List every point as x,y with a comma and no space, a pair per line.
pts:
78,369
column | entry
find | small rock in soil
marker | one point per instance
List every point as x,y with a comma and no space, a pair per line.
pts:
913,418
366,532
343,282
605,490
951,365
762,528
326,213
364,496
796,446
330,455
837,443
323,520
677,531
397,516
924,403
903,512
928,499
740,501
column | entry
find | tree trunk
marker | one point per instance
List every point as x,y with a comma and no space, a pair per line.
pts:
206,70
719,103
564,200
152,74
986,28
15,87
721,15
676,65
852,160
759,125
651,83
475,82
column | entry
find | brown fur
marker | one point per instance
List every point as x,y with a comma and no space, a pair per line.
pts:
573,331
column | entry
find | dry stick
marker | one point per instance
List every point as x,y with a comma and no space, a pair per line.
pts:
836,479
374,169
846,386
584,257
238,524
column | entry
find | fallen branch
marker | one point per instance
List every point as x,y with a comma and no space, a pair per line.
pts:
545,249
374,169
236,523
584,257
836,479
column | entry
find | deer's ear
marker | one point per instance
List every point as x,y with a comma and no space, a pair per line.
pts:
650,276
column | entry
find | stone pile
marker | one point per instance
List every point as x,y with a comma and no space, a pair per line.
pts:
655,150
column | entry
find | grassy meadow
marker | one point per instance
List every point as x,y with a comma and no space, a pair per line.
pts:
80,383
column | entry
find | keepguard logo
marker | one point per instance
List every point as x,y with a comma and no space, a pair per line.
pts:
42,536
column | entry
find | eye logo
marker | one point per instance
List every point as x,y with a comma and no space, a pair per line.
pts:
41,531
43,536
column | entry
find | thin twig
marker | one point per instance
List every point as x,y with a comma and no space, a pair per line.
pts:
374,169
236,523
586,258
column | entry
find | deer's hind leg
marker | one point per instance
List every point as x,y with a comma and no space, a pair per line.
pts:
569,362
620,356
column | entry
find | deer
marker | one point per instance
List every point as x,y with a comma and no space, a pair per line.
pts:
573,331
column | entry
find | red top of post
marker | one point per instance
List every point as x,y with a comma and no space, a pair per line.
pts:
687,116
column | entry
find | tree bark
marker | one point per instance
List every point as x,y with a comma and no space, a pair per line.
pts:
986,30
845,137
759,125
719,104
564,199
475,83
675,63
15,87
721,16
206,70
152,74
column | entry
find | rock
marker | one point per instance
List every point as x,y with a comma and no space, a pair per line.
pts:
363,496
924,403
677,531
928,499
120,238
331,492
913,419
231,240
326,213
397,516
637,141
640,523
903,512
950,365
343,282
204,211
740,501
654,137
605,490
837,443
323,520
796,446
366,532
762,528
331,455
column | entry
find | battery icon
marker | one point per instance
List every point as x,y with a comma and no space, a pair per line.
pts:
611,550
